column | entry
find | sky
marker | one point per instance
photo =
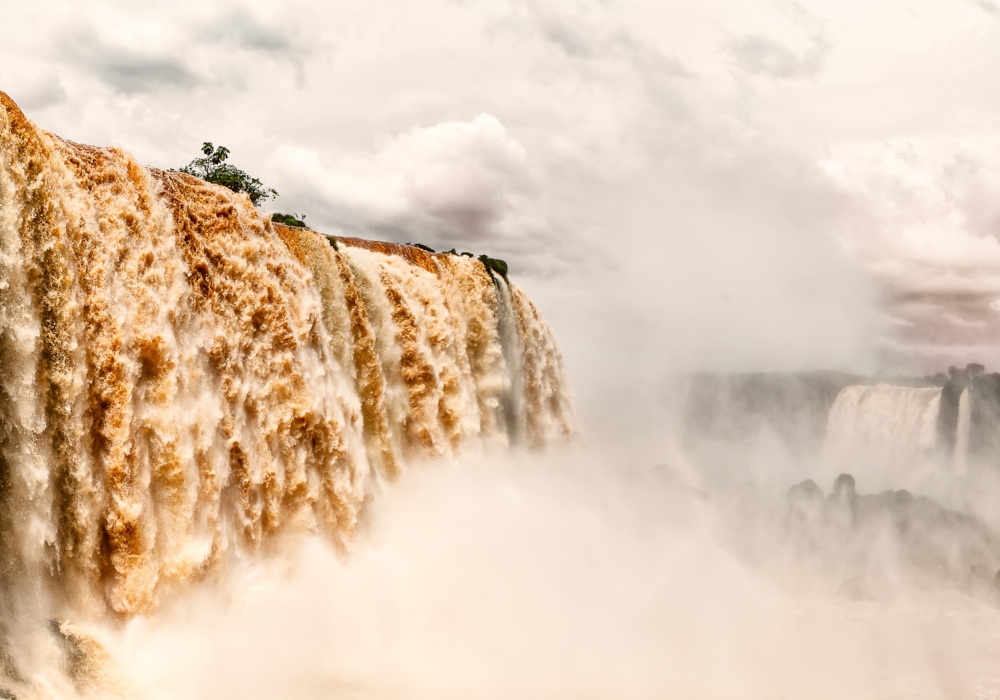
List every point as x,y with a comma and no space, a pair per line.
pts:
710,185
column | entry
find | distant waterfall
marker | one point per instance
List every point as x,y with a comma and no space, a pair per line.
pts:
883,426
963,431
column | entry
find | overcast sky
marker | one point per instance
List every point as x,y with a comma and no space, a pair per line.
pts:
680,184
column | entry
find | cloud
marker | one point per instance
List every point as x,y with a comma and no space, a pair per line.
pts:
458,183
127,69
134,73
242,29
963,323
926,231
587,35
36,90
578,40
761,55
986,5
242,32
619,156
971,182
141,53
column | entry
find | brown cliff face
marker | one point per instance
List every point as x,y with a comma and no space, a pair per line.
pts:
182,380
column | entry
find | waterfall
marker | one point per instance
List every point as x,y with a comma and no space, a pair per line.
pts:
963,431
183,382
883,427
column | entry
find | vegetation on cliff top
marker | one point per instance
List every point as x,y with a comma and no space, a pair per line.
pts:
492,265
297,220
214,168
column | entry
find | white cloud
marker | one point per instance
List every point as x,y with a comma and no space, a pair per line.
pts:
128,69
963,323
986,5
762,55
457,183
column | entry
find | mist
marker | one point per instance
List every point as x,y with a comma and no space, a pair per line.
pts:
553,578
647,559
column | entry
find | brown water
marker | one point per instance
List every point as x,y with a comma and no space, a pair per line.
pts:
183,382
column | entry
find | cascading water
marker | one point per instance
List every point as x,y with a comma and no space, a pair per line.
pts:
878,428
183,382
963,429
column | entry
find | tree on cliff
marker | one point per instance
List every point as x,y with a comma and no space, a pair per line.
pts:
214,168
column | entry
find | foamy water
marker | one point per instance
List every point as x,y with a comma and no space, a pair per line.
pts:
184,385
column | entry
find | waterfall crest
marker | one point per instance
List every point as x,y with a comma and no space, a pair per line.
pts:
182,381
891,426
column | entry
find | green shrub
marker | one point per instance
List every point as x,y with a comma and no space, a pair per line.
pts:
214,168
297,220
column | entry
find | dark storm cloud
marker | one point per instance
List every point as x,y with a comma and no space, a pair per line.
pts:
245,31
133,73
761,55
125,69
145,57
